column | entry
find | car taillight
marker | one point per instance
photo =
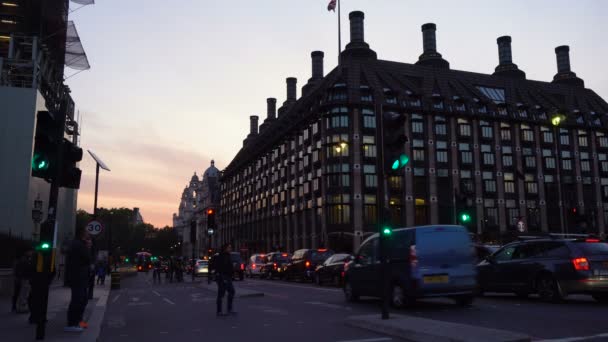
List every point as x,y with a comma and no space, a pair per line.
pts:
592,240
253,266
342,274
581,264
149,266
308,264
274,265
413,257
242,267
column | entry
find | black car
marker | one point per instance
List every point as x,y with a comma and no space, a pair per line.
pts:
304,262
275,265
551,267
483,251
332,270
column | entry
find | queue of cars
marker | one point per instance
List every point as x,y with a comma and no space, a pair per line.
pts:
442,261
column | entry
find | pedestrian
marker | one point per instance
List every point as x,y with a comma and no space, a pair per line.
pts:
78,266
156,273
171,269
101,273
223,276
22,271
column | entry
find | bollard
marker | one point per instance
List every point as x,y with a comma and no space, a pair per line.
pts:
115,280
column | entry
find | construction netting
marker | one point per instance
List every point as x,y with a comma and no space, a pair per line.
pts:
75,56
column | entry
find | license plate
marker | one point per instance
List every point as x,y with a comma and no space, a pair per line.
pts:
601,272
436,279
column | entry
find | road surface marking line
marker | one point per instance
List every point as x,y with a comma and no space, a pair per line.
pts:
115,298
572,339
168,301
164,332
369,340
156,293
305,287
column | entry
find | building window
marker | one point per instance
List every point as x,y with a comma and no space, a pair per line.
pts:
507,156
486,130
467,157
527,134
371,181
417,123
338,121
488,155
369,147
505,132
531,185
509,183
489,183
442,156
547,135
549,162
395,182
602,141
418,155
464,128
440,125
369,118
495,94
339,214
564,137
582,139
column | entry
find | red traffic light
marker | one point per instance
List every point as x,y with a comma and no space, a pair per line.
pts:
210,211
574,210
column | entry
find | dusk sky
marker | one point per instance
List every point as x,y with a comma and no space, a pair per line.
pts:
173,83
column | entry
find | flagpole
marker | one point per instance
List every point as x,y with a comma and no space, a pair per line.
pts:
339,33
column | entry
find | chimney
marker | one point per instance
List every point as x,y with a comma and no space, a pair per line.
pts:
429,41
271,108
356,27
430,56
317,64
506,67
253,125
291,88
564,73
357,47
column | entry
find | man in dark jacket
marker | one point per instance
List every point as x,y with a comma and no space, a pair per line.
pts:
223,276
77,271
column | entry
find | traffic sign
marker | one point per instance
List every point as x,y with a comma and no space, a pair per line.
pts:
94,227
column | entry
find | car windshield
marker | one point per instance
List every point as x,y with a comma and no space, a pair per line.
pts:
317,255
235,257
281,257
258,259
202,262
593,248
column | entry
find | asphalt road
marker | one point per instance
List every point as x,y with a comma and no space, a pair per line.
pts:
142,311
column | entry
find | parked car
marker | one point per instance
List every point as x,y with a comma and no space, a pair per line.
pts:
551,267
275,265
426,261
332,270
254,265
237,265
304,262
201,268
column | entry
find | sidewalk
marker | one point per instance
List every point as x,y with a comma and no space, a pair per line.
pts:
15,327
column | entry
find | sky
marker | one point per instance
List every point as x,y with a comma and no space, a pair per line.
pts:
172,83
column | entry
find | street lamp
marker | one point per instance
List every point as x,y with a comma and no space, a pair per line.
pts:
556,120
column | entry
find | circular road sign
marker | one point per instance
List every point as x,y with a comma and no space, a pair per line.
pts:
94,227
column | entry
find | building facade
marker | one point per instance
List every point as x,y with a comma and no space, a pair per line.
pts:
199,196
483,144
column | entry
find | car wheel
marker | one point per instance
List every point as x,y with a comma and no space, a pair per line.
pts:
601,297
548,289
465,300
349,293
318,280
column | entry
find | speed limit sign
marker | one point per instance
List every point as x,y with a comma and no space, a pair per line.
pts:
94,227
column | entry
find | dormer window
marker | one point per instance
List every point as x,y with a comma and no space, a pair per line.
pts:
366,94
502,110
415,101
495,94
437,101
390,96
459,103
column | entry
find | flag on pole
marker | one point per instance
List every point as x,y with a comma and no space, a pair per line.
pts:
332,5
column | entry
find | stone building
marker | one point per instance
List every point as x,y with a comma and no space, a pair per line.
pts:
483,143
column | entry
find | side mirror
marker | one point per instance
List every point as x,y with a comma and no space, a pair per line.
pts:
490,259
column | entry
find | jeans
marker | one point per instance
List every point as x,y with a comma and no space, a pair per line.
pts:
224,283
77,305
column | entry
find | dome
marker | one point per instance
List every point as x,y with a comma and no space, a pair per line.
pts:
194,178
212,171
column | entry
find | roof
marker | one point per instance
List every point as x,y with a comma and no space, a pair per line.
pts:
537,100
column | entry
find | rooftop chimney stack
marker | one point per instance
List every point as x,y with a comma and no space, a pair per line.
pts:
564,73
317,64
506,67
430,56
291,88
356,27
429,39
253,125
271,108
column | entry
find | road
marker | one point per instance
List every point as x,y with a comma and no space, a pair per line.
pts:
144,311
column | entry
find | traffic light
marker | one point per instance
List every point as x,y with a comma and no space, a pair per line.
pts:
464,217
47,235
387,231
394,141
210,219
46,147
70,173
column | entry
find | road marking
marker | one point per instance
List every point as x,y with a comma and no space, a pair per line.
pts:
135,299
168,301
115,298
156,293
164,332
138,303
572,339
305,287
369,340
326,305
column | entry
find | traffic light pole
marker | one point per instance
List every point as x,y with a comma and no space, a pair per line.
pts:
383,217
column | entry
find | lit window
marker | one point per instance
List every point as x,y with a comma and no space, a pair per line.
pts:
495,94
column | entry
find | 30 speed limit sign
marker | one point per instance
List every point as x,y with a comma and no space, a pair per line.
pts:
94,227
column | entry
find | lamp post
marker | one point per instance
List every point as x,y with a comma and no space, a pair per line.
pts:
556,120
340,148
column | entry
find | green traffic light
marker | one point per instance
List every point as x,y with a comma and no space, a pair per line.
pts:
45,245
387,231
40,163
465,217
400,162
127,260
395,165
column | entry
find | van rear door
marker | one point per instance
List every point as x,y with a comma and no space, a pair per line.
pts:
445,258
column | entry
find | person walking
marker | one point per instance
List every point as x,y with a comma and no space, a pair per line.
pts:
223,276
157,268
78,267
101,273
22,271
